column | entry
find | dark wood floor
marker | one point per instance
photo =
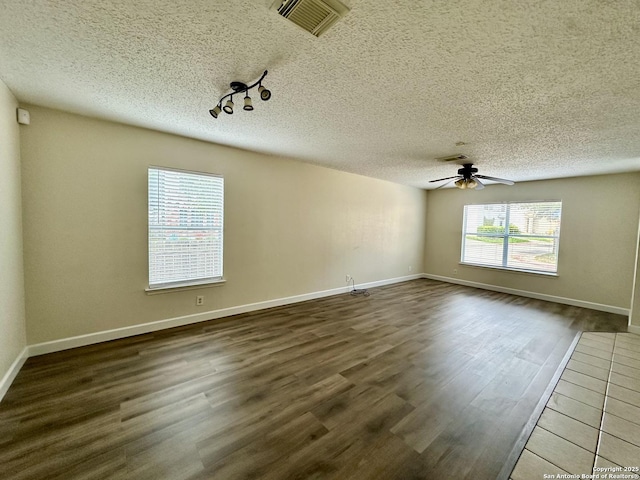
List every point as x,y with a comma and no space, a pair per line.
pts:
419,380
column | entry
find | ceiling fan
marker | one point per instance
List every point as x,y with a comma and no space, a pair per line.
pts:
467,178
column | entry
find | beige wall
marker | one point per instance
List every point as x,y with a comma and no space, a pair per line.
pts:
598,238
634,317
12,317
290,228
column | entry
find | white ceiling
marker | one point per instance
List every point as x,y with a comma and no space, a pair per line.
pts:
537,90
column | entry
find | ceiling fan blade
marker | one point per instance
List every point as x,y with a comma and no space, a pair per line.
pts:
441,179
479,184
446,183
499,180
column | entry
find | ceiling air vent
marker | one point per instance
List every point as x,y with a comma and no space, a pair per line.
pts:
452,158
315,16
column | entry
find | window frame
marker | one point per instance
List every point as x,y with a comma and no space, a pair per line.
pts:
193,282
505,239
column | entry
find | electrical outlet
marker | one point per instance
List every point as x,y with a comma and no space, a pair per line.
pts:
348,278
410,268
199,300
455,271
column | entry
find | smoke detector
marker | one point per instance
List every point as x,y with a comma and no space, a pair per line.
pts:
315,16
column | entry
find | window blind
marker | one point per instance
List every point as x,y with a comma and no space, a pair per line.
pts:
186,218
517,236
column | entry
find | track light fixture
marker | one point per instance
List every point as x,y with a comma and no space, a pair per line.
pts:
238,88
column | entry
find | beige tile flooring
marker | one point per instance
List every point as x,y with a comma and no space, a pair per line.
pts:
590,427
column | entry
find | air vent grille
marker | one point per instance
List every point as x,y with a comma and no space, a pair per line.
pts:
315,16
452,158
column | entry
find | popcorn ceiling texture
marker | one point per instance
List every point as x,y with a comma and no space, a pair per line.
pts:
537,90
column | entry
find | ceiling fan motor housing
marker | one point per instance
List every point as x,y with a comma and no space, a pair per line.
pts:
467,170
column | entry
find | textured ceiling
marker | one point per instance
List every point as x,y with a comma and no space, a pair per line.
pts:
536,90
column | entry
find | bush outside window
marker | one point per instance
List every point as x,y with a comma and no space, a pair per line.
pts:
530,243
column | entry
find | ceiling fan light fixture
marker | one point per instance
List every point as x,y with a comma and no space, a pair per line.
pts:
466,183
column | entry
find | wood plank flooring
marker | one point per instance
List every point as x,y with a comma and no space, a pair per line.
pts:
420,380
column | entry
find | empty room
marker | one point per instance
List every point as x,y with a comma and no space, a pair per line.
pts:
319,239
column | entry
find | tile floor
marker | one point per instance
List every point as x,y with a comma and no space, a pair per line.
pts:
590,427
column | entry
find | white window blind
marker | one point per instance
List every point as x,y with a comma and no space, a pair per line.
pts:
516,236
186,218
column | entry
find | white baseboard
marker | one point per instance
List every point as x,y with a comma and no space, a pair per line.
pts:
11,374
107,335
539,296
634,329
104,336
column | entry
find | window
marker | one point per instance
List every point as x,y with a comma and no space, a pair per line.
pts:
529,243
186,217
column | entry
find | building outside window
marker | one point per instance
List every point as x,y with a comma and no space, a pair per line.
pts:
186,226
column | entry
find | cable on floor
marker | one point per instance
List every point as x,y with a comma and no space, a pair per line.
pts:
358,292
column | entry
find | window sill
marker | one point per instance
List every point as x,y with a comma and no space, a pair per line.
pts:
184,286
511,270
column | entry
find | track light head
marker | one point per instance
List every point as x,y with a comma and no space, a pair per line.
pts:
264,93
228,108
247,103
215,111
